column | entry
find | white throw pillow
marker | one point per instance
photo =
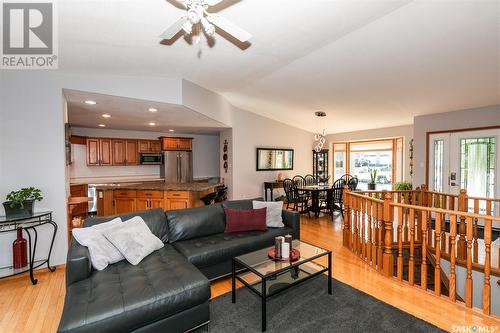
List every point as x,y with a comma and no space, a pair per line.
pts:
134,240
102,252
273,212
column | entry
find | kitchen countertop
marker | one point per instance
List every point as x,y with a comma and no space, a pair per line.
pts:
159,186
111,180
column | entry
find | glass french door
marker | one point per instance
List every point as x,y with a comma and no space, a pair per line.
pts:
468,160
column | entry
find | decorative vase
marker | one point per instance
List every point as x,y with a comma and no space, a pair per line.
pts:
19,250
17,211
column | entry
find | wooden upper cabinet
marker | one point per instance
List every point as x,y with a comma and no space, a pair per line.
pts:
131,152
92,151
143,146
155,146
105,151
149,146
119,155
177,143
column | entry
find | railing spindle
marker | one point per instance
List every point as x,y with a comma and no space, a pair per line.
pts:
400,244
453,233
388,260
487,262
423,267
411,262
437,249
468,279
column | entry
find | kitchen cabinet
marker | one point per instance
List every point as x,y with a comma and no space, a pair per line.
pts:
118,148
124,201
131,152
149,146
169,143
124,152
99,151
149,200
105,152
92,151
177,200
117,152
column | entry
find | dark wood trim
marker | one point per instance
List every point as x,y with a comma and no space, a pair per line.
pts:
427,137
78,140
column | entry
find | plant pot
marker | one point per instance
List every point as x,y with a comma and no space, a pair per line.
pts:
371,187
18,211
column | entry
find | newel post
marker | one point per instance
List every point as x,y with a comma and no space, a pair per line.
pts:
387,258
463,201
346,240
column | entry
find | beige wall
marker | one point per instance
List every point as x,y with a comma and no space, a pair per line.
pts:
251,131
469,118
405,131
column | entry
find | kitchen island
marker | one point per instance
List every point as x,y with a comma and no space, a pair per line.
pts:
129,197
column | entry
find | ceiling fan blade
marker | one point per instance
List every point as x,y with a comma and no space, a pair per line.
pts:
173,29
229,27
213,2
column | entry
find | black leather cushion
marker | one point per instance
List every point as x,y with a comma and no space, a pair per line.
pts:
195,222
154,218
124,297
213,249
240,204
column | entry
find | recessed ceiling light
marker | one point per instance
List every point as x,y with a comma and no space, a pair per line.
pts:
90,102
152,124
106,115
102,125
171,130
152,109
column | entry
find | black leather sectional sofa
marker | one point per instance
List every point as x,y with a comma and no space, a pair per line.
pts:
169,291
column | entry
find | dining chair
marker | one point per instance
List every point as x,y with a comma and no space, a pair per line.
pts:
353,183
289,193
310,180
334,198
301,197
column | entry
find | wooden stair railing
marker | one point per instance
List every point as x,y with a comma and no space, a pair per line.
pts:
386,229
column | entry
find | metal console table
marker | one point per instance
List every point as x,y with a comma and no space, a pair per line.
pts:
29,225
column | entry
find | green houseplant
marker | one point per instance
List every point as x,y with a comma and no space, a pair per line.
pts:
373,180
20,203
404,186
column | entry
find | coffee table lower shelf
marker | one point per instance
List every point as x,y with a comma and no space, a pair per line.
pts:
271,284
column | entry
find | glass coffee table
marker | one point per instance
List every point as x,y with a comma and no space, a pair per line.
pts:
266,277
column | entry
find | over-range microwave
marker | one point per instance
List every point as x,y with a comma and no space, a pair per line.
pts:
150,159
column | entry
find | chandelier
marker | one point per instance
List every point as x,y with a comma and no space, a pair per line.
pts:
320,136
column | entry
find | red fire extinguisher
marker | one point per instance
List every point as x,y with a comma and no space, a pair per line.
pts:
19,250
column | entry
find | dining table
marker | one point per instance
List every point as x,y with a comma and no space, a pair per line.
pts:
314,192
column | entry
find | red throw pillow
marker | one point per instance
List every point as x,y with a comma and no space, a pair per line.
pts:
245,220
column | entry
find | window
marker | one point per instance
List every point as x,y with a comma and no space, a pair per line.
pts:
361,157
477,166
438,165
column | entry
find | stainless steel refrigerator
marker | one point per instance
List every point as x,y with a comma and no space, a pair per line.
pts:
177,166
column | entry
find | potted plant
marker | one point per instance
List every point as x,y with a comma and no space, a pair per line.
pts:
404,186
20,203
373,180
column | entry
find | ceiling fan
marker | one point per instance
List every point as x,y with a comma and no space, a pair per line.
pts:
198,17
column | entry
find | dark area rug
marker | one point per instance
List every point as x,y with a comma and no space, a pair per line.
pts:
308,308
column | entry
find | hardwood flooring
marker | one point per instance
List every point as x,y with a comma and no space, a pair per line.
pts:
27,308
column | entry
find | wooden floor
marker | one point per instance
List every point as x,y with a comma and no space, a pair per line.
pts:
27,308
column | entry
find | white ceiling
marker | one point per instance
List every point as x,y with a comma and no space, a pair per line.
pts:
367,63
133,114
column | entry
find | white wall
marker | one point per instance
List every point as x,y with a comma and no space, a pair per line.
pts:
251,131
32,136
378,133
470,118
205,156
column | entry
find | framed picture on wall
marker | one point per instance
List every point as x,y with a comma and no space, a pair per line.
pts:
269,159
